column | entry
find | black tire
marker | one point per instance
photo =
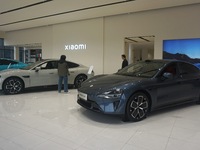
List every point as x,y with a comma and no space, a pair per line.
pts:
79,79
137,107
13,86
198,101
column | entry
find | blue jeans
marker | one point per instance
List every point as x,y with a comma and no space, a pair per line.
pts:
60,80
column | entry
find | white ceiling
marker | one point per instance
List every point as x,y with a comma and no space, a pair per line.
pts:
23,14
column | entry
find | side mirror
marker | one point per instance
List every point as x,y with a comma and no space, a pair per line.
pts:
37,69
168,75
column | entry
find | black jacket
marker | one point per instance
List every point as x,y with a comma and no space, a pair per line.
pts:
124,63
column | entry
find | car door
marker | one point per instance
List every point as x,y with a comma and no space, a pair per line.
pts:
73,71
184,85
169,90
189,80
44,74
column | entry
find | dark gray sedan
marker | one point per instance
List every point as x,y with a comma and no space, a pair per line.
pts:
141,87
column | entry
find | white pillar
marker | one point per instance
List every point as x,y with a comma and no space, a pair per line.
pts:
16,53
130,53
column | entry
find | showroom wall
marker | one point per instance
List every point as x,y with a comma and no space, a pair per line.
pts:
67,39
172,23
104,37
41,35
55,38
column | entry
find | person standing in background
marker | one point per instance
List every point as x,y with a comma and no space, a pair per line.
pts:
63,73
124,62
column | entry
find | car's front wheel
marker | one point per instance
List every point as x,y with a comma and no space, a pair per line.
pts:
13,86
79,79
137,107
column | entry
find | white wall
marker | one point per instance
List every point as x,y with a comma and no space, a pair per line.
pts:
89,32
36,35
105,36
171,23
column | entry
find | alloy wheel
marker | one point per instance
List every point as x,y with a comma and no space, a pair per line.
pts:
137,107
13,86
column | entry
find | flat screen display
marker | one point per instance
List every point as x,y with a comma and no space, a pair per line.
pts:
183,49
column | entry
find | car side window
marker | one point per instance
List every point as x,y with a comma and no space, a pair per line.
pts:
186,68
55,64
48,65
171,68
72,65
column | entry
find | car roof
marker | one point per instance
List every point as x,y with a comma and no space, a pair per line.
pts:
9,59
43,60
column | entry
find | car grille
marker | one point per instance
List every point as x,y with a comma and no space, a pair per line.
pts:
89,105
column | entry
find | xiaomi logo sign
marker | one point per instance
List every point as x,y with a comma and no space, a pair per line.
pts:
75,47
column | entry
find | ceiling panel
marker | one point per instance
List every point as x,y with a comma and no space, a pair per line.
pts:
35,13
7,5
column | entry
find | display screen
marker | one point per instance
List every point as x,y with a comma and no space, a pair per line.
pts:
183,49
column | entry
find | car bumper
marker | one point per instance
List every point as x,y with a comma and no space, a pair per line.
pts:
106,106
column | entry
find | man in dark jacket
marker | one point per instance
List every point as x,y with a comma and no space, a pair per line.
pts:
63,72
124,62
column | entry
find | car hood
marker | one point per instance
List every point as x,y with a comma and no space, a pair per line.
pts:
104,82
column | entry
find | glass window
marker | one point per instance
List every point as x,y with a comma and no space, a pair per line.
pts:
72,65
186,68
1,53
49,65
9,53
55,64
143,69
171,68
21,54
1,42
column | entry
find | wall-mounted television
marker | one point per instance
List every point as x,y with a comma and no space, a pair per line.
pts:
183,49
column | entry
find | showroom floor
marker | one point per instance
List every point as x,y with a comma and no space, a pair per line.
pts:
49,120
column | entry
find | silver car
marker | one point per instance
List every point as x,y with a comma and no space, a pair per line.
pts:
41,73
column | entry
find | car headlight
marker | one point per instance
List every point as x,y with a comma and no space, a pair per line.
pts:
114,93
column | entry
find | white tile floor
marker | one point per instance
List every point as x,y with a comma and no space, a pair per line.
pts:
49,120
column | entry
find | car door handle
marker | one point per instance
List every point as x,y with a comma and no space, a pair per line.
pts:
71,71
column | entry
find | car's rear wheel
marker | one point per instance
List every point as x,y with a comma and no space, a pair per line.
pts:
137,107
13,86
79,79
198,100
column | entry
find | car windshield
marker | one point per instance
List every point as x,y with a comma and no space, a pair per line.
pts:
142,69
31,65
